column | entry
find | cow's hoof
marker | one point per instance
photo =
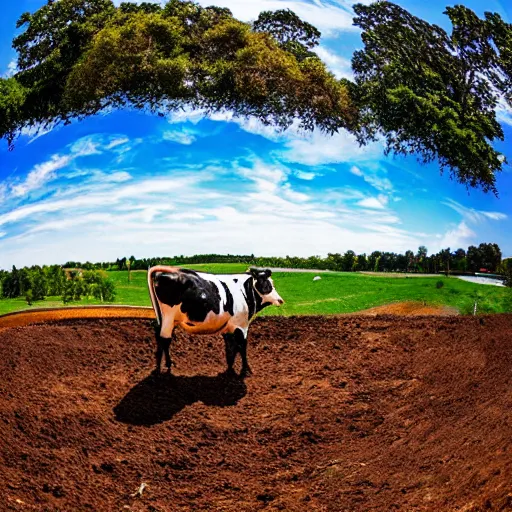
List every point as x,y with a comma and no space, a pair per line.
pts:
246,371
229,372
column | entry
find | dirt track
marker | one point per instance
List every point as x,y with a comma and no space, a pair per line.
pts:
342,414
42,315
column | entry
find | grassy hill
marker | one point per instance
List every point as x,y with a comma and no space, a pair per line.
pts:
336,292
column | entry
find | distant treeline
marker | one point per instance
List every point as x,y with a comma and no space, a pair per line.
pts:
485,256
75,279
36,283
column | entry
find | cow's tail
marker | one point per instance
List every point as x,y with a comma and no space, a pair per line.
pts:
151,287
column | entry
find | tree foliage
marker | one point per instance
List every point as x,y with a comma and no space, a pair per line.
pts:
80,57
36,283
293,34
432,93
424,90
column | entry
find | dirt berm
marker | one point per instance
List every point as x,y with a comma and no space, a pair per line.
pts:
353,413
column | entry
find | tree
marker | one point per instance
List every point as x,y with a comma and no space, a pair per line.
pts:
491,256
409,257
39,286
432,93
349,258
56,278
80,57
505,269
104,290
459,260
474,258
293,35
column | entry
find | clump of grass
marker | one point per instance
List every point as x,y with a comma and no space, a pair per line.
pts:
439,284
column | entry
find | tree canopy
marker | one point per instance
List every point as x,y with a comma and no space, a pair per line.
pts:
426,92
79,57
433,93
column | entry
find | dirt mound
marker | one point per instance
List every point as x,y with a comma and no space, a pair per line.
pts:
42,315
410,309
341,414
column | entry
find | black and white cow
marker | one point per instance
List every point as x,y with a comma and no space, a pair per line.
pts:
202,303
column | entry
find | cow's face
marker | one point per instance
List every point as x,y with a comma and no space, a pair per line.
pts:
264,287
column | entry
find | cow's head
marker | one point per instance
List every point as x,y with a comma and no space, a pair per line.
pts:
264,286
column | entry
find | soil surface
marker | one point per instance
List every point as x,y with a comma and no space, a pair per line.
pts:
409,308
355,413
43,315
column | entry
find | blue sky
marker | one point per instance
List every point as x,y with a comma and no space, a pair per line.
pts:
129,183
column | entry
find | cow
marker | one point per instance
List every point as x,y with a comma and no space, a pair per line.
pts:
202,303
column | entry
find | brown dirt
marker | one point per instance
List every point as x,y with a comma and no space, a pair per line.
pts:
341,414
42,315
410,309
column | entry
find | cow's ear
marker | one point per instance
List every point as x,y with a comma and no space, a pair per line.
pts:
268,272
254,272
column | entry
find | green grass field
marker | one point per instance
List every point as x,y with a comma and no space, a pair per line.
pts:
334,293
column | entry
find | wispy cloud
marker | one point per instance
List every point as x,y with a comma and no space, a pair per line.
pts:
45,172
471,214
504,112
12,69
40,174
317,148
372,202
117,142
307,176
183,136
340,66
371,176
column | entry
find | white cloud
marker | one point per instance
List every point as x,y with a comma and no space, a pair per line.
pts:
504,112
317,148
459,236
36,131
294,195
307,176
371,202
117,142
300,146
40,174
371,177
86,146
340,66
180,137
12,69
471,214
113,177
101,199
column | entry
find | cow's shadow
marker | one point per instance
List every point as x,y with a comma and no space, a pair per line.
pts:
159,398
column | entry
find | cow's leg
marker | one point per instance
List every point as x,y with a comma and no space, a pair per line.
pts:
163,342
241,346
231,351
166,343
